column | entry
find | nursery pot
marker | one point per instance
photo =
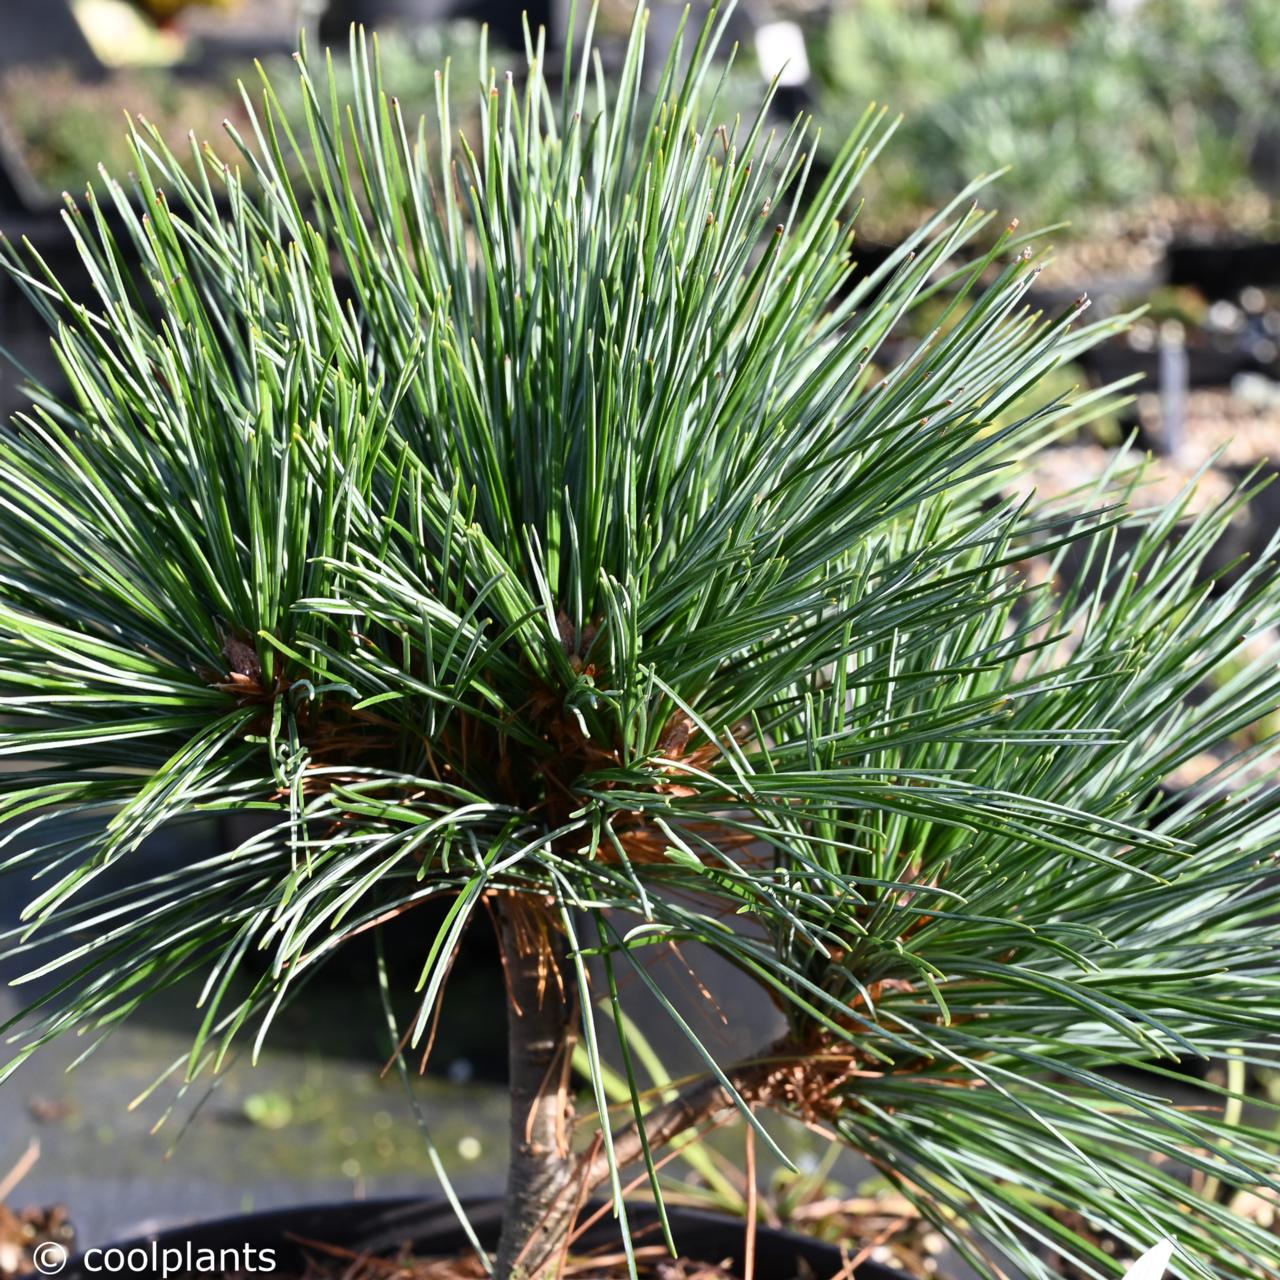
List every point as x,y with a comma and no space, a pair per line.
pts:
430,1228
1221,270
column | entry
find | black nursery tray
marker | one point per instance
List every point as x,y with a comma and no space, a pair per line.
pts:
1221,270
1207,366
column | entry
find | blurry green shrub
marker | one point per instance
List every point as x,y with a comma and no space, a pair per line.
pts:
1092,114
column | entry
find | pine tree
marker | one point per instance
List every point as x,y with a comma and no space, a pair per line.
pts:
528,518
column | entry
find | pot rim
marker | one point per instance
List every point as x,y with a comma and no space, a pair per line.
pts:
390,1222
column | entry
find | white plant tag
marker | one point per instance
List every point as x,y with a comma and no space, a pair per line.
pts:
781,51
1152,1264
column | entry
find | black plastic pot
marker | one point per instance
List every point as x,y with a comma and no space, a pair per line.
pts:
1222,270
430,1228
1207,366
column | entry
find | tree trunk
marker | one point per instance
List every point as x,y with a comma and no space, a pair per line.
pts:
542,1018
546,1182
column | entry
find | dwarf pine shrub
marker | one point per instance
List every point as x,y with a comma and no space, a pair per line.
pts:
530,519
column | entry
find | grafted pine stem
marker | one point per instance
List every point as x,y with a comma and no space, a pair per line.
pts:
545,1182
541,1027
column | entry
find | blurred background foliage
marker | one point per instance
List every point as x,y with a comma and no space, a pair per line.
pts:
1160,109
1090,111
66,125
